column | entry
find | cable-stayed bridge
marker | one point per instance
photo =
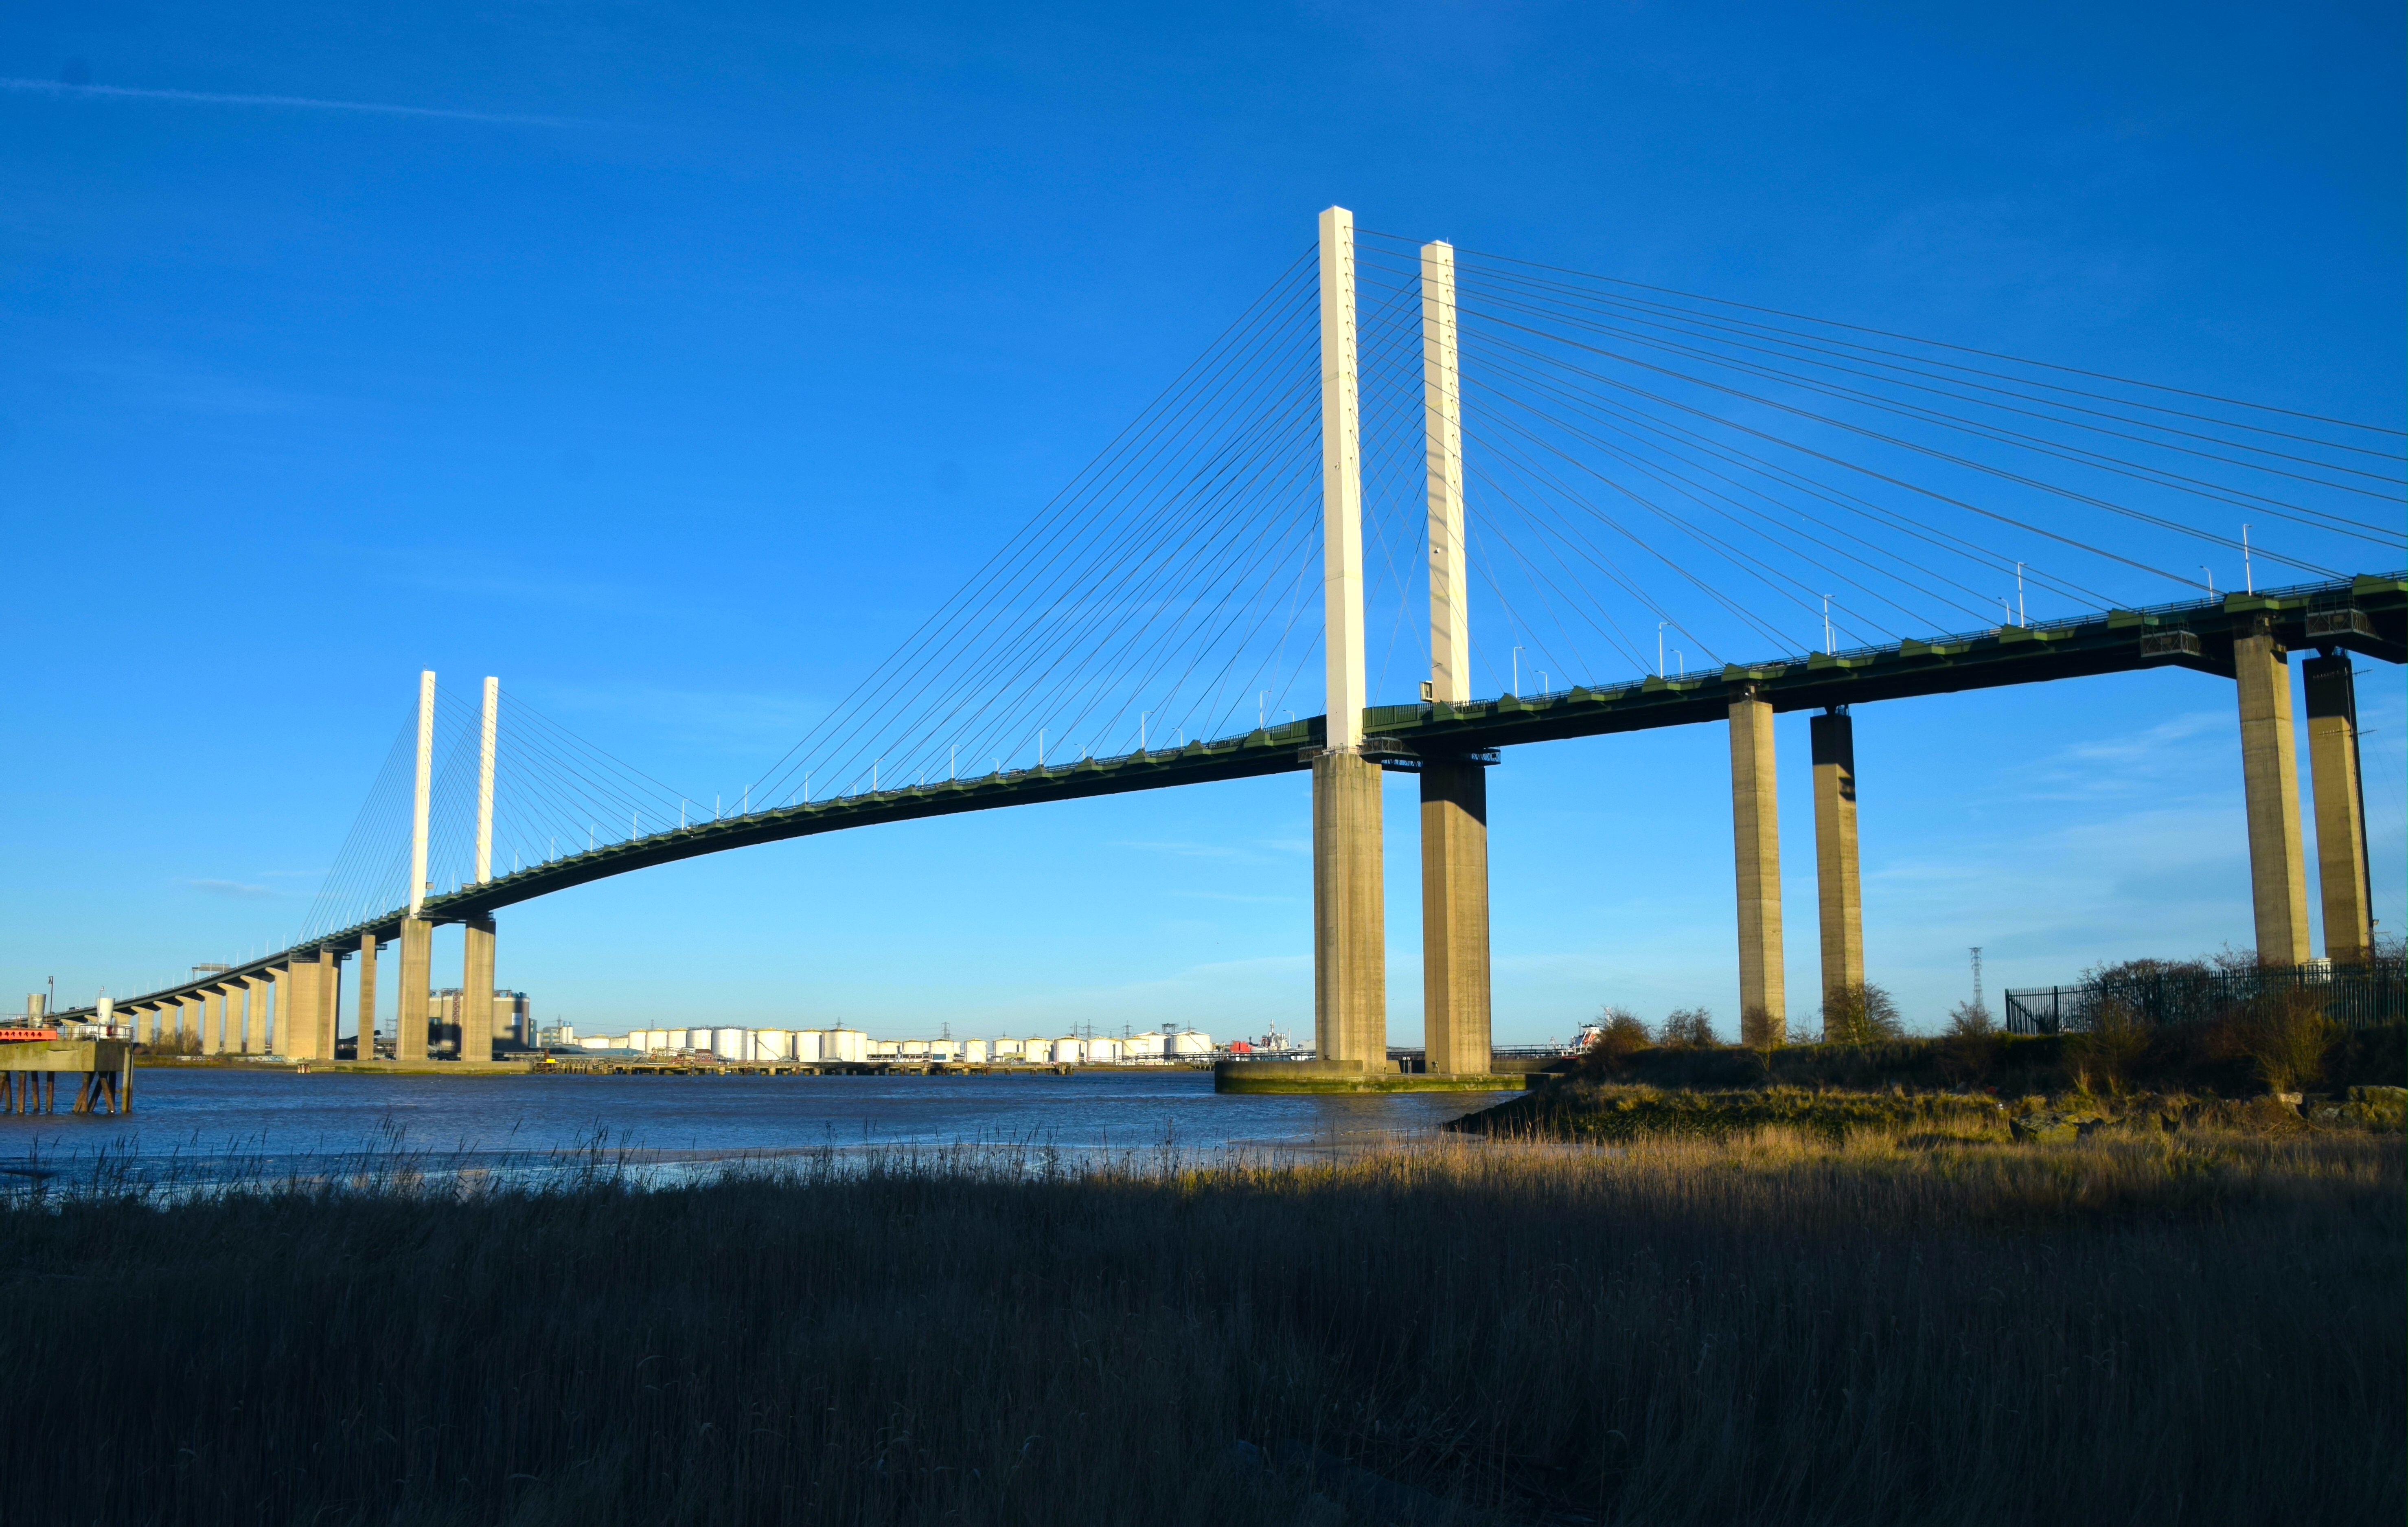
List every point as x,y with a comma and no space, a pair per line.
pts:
1442,504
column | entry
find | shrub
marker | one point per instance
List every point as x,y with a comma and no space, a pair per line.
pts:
1969,1049
1619,1036
1757,1031
1971,1020
1859,1015
2115,1044
2283,1034
1689,1029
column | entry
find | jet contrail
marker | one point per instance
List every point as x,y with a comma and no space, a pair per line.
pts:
53,87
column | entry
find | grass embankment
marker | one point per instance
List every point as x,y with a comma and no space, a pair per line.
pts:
2193,1327
1583,1110
1966,1088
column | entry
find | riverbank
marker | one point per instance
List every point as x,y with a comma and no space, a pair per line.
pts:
1764,1329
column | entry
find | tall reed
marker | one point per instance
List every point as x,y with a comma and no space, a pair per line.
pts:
1768,1330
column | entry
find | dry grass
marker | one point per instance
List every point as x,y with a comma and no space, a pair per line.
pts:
2199,1327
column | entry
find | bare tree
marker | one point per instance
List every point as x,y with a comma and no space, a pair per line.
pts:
1859,1015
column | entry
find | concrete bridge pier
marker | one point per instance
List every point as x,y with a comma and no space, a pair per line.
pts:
2270,771
367,1020
213,1021
1350,955
476,991
330,1000
255,1024
297,1016
1840,891
1454,915
411,1010
2342,869
1756,834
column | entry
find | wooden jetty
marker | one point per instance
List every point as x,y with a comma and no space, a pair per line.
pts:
30,1069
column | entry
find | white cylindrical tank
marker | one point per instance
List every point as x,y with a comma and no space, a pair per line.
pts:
974,1052
1006,1049
732,1043
880,1049
914,1046
849,1044
944,1050
657,1039
1145,1046
808,1044
773,1045
1103,1052
697,1040
1068,1052
1191,1043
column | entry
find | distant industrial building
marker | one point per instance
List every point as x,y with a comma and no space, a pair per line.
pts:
513,1021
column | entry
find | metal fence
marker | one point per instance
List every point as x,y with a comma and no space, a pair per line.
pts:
2354,996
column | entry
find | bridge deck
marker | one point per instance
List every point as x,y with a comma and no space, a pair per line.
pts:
2367,615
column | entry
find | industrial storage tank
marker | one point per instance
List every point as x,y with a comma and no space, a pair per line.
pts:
732,1043
1103,1052
914,1046
844,1044
773,1045
1145,1046
882,1049
808,1044
1068,1052
944,1050
697,1040
1006,1049
654,1039
1191,1045
974,1052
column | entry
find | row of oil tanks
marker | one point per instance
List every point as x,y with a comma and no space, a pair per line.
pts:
1068,1050
841,1046
829,1045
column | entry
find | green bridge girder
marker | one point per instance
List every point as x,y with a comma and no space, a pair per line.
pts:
2368,615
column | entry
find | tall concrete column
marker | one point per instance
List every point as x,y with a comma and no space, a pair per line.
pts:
2269,770
330,1001
1839,887
254,1027
409,1008
1454,915
297,1016
1454,791
1756,833
2342,869
476,991
1350,956
367,995
213,1021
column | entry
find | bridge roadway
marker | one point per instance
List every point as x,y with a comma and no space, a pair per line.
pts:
2367,615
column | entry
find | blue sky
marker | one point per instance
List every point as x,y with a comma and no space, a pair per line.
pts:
672,364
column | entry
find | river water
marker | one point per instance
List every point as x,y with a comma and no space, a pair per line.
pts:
202,1125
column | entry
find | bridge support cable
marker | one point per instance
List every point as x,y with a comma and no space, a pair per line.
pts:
1148,587
1977,481
1913,407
